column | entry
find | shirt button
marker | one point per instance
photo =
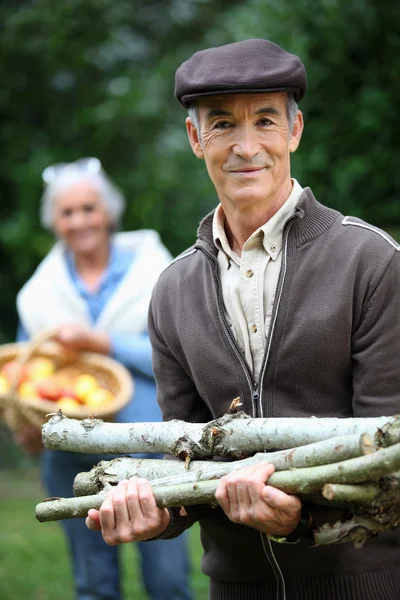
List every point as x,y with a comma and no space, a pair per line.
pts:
254,328
249,273
272,248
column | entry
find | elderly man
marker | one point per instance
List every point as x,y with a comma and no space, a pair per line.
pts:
283,302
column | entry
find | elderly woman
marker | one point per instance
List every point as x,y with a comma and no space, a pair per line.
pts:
94,288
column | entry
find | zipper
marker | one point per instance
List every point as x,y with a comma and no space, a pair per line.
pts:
253,385
267,547
281,279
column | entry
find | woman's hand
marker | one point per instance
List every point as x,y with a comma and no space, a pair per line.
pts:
77,338
129,514
246,499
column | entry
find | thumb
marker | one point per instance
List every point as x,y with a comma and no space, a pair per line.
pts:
93,520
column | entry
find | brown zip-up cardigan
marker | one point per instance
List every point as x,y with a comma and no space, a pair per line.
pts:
333,351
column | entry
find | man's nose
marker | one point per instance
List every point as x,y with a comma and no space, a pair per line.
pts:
246,143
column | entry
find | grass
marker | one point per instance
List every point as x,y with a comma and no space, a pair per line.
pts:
34,563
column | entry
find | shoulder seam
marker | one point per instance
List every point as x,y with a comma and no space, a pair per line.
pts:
348,221
184,255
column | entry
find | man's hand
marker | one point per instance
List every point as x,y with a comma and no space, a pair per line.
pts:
246,499
77,338
129,514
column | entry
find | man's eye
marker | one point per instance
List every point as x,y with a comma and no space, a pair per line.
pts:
66,212
264,121
88,208
222,125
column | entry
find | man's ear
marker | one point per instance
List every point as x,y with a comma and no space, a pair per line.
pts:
194,139
296,132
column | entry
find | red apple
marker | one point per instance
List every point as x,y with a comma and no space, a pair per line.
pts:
49,390
11,369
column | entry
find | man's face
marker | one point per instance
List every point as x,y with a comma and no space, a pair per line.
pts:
246,144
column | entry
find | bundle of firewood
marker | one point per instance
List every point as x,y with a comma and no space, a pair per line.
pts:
349,463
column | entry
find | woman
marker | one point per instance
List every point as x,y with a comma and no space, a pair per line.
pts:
94,288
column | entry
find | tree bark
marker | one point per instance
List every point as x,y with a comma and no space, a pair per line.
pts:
357,530
319,453
233,436
309,480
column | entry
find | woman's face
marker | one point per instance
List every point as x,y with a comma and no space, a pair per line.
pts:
81,220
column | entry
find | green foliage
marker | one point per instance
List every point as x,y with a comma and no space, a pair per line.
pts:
96,77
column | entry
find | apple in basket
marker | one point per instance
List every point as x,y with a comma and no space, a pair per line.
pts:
88,391
10,369
27,389
51,389
4,384
68,403
40,368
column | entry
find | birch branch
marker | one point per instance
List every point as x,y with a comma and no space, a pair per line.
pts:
357,530
328,451
234,436
376,497
309,480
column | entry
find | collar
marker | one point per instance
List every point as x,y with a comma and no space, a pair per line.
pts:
269,234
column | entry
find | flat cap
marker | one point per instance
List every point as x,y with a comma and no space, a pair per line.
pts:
247,67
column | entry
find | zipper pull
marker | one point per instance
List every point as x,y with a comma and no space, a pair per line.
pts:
255,392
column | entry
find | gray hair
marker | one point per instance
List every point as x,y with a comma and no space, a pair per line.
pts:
291,111
60,177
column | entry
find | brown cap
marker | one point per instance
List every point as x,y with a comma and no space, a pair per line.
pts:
248,67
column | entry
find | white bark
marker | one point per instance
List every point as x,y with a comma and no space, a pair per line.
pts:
319,453
356,531
309,480
235,436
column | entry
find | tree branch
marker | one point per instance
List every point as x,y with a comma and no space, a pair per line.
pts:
309,480
234,436
324,452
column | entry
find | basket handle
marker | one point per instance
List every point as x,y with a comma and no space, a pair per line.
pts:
13,409
24,355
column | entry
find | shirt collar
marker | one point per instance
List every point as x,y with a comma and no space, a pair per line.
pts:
270,232
118,262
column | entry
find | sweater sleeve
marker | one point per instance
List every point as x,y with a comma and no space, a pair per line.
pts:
376,375
178,398
176,392
376,347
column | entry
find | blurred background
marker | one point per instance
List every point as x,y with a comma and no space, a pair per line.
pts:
96,78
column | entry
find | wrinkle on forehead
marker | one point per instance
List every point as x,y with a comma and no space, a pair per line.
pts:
225,105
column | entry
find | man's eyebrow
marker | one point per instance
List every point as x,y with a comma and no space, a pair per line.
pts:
270,110
217,112
222,112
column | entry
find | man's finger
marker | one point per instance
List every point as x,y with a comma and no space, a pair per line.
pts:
279,500
93,520
107,516
124,493
146,498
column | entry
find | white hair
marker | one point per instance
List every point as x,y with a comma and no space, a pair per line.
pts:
58,178
291,111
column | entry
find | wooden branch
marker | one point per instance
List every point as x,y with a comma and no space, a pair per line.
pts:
357,530
327,451
234,436
309,480
166,496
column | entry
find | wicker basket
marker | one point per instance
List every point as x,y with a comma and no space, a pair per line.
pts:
110,374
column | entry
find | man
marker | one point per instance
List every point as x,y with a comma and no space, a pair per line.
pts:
283,302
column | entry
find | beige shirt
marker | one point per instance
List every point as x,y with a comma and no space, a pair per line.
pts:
249,282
